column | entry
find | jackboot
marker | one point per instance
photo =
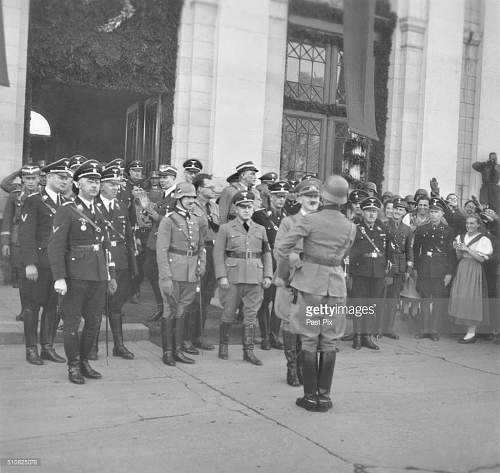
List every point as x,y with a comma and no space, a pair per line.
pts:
48,329
187,344
389,333
95,346
263,319
310,372
30,328
367,341
290,350
325,376
178,339
115,321
88,371
167,341
299,360
356,342
20,316
248,345
224,329
74,372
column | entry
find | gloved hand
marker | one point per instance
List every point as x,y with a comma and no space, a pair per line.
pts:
112,286
266,283
223,283
167,285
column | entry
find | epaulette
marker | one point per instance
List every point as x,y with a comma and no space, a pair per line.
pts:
69,202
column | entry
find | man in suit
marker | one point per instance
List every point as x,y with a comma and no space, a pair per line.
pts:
81,267
319,280
37,218
435,264
270,219
181,263
243,268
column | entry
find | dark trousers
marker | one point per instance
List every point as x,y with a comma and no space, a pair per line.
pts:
143,235
366,292
122,294
151,272
195,319
41,293
434,302
84,299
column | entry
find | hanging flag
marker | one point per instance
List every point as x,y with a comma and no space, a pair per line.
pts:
4,76
359,64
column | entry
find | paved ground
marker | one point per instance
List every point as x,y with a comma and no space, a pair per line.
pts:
413,406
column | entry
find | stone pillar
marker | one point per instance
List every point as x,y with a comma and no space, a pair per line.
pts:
444,47
16,21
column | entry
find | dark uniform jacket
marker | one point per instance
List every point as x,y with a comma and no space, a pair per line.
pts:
433,250
12,217
77,249
364,259
119,232
37,217
327,235
179,247
271,221
400,247
240,256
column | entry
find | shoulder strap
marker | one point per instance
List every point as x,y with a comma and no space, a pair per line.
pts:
179,226
476,238
375,247
86,218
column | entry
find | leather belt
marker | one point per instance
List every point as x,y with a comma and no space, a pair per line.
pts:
94,247
373,254
322,261
244,255
183,252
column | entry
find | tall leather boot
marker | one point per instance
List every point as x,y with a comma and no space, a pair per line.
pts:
367,341
389,332
119,349
187,343
178,339
30,328
167,341
356,341
310,372
224,330
95,347
248,345
48,328
274,334
74,371
156,315
290,350
299,359
325,376
263,319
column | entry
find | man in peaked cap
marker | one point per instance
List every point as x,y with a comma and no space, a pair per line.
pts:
271,219
161,204
9,183
308,198
121,246
435,265
246,180
81,266
319,279
263,187
400,255
370,188
354,200
191,168
9,236
291,205
243,268
37,217
75,161
367,267
181,263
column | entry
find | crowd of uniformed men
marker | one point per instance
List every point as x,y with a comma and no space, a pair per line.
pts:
82,236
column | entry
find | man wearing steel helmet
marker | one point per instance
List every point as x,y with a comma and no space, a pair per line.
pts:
181,263
327,236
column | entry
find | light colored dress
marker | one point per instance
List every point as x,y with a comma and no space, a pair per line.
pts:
468,303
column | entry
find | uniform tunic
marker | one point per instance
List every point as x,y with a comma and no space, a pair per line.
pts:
244,258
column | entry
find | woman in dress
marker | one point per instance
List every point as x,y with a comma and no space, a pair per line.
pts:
468,303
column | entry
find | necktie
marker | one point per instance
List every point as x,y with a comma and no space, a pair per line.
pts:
92,209
58,200
245,226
